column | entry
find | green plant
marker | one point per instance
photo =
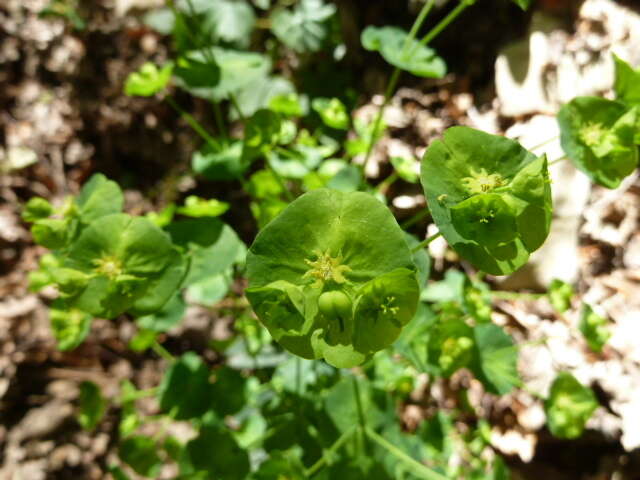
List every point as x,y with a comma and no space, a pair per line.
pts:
331,274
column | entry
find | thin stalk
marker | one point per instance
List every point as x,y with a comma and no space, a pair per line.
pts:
426,8
542,144
416,218
444,23
162,352
504,295
426,242
315,468
361,418
553,162
416,467
217,113
387,182
391,87
193,123
236,106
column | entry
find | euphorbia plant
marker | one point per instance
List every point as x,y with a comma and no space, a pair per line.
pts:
332,277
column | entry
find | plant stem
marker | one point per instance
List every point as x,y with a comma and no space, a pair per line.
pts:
391,87
416,467
162,352
329,452
236,106
387,182
426,242
360,410
193,123
516,295
542,144
415,219
444,23
426,8
217,112
552,162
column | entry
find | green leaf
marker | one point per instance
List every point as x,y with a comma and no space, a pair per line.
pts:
342,406
195,206
594,328
215,451
407,168
148,80
332,241
92,405
35,209
230,21
141,454
99,197
223,164
70,326
261,134
569,406
165,319
302,28
523,4
288,104
394,45
126,259
185,391
214,247
560,295
238,70
496,359
627,82
51,232
259,92
332,112
598,136
196,72
490,198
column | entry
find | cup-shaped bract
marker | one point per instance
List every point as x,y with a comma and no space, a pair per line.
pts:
332,277
490,198
598,135
126,263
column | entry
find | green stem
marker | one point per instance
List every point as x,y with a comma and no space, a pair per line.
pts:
542,144
193,123
360,410
426,242
426,8
444,23
516,295
416,467
217,113
162,352
415,219
553,162
327,454
387,182
391,87
236,106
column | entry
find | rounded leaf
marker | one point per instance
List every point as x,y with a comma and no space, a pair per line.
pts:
325,251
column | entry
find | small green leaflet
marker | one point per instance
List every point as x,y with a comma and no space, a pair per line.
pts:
627,82
148,80
569,406
302,28
490,198
92,405
594,328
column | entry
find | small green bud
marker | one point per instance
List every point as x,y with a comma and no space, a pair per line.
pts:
36,209
70,282
50,232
